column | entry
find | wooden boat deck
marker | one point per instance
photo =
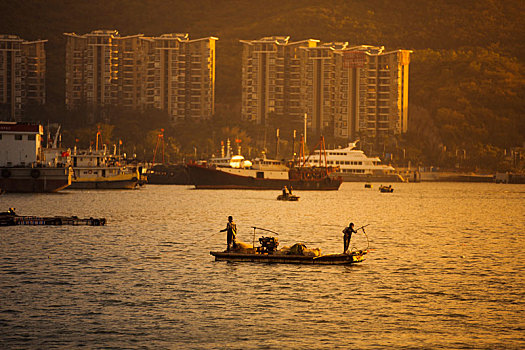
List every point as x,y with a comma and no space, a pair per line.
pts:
331,259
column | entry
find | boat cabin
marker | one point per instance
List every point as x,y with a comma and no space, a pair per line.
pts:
20,143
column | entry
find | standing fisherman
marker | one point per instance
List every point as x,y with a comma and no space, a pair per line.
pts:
347,236
231,232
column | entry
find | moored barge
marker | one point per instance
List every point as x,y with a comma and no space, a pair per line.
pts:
10,218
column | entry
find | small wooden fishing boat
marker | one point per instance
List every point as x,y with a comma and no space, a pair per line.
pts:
267,252
386,189
329,259
288,197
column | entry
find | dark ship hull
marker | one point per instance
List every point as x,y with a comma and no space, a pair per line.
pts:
34,180
175,174
204,177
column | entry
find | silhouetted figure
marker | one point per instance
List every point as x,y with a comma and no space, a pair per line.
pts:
231,233
285,191
347,236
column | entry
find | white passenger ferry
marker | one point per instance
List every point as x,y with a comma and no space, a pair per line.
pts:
354,165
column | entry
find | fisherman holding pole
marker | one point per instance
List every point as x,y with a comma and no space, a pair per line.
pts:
348,235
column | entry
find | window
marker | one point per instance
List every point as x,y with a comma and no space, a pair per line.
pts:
18,137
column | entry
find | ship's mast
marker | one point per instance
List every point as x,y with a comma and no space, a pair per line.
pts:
305,122
98,135
160,139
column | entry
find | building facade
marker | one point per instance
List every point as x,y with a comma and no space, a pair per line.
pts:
321,86
184,75
373,99
22,75
271,78
169,72
358,92
92,68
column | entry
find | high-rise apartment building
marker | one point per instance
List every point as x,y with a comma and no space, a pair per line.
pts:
349,92
321,85
355,92
184,75
271,78
22,75
373,99
169,72
91,68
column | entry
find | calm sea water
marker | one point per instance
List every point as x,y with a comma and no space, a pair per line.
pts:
446,270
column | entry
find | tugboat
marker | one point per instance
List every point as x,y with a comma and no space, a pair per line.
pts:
97,169
23,167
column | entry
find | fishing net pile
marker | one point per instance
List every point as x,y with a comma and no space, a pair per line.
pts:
299,249
296,249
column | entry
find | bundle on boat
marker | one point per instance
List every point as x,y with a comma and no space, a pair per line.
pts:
267,242
10,218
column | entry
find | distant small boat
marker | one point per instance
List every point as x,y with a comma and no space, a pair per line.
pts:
288,197
368,185
386,189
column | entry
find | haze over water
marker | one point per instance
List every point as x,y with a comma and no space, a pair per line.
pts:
446,270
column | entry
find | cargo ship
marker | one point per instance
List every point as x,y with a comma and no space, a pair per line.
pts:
298,178
23,167
261,174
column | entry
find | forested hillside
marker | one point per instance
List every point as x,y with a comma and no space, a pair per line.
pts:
466,73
